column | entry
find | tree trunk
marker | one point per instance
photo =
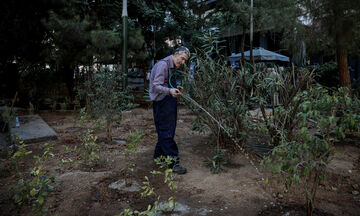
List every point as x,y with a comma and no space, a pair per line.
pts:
309,208
341,56
109,131
69,79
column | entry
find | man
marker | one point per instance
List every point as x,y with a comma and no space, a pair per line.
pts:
163,92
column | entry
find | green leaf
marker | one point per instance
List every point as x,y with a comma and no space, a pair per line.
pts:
41,200
33,192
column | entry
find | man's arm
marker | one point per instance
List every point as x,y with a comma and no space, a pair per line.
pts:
159,78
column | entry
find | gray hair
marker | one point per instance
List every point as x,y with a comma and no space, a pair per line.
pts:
182,49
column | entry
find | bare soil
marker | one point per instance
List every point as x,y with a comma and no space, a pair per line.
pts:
240,190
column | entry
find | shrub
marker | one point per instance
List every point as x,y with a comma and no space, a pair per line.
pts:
217,162
17,157
149,190
34,190
89,150
106,98
324,116
221,91
289,83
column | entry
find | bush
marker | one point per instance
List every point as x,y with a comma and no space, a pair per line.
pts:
324,117
288,83
17,157
149,190
221,91
89,150
34,190
106,98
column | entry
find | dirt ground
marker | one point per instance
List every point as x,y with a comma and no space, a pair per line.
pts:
238,191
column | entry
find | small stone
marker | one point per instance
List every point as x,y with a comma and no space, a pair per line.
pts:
280,196
354,192
355,186
121,185
349,171
120,142
285,191
333,188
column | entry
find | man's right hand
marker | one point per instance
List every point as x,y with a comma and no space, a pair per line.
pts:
175,92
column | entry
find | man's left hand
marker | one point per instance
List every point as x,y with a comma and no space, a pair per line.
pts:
181,89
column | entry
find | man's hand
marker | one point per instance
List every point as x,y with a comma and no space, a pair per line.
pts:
181,89
175,92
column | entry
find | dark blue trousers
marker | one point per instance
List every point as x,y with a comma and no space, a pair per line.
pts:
165,117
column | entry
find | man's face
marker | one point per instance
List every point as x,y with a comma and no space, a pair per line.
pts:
180,59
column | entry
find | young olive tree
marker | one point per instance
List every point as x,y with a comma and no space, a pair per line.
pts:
107,98
132,143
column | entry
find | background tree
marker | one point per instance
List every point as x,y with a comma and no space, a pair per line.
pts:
82,37
21,39
338,21
276,16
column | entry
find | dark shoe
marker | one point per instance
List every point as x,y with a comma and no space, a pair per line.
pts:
179,169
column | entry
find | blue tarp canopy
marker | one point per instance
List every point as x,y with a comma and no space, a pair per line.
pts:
260,54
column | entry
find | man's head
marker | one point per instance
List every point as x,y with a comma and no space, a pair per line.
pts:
181,55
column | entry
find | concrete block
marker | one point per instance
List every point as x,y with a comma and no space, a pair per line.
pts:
33,129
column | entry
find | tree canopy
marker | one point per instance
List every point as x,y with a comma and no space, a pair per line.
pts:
64,34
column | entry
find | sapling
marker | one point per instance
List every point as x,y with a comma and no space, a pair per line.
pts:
90,150
217,162
17,157
106,98
35,189
132,142
149,190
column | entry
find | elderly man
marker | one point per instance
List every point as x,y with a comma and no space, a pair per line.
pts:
163,92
